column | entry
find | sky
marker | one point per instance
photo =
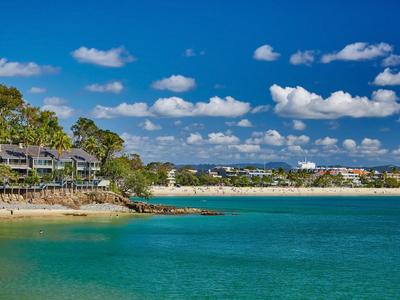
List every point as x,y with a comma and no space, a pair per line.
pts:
216,81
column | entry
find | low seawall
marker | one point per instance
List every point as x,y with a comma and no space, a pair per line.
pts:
66,197
74,200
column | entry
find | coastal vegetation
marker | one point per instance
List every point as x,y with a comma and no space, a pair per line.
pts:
26,125
281,178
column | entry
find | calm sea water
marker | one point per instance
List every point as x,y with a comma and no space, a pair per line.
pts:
263,248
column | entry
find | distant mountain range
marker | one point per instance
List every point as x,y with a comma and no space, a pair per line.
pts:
387,168
283,165
269,165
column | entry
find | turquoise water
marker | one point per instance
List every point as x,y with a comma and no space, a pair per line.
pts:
263,248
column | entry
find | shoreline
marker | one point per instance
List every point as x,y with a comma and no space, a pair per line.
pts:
24,211
193,191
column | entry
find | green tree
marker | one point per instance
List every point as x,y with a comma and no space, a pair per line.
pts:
83,130
117,169
61,142
185,177
32,178
6,174
136,183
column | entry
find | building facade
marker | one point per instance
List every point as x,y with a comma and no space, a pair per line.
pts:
45,161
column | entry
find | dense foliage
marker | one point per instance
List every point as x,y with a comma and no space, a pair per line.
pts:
21,123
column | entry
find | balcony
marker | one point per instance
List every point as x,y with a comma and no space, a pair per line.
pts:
81,166
42,164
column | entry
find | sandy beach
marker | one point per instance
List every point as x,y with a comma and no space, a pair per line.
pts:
270,191
23,210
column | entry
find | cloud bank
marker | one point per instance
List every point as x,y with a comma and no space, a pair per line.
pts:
112,58
176,107
299,103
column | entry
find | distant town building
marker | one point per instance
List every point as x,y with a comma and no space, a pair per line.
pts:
393,175
306,165
171,177
226,172
349,174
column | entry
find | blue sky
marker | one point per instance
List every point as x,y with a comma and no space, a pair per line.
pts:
149,70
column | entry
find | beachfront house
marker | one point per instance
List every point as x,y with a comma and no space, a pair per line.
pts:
171,177
46,160
224,172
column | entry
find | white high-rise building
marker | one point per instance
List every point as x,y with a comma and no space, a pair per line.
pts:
306,165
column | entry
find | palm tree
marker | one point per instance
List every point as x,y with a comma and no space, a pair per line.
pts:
91,145
61,142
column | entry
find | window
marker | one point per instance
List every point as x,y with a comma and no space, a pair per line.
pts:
42,162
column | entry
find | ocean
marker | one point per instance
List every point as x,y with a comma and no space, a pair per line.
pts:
262,248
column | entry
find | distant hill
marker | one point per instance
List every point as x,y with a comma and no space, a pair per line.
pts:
269,165
387,168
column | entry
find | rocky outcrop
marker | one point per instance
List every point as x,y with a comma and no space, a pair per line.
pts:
143,207
77,199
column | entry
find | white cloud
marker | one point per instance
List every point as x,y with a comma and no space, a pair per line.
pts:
359,51
266,53
37,90
173,107
302,58
58,106
113,58
300,103
12,69
371,147
149,126
387,77
295,149
194,139
260,108
190,52
270,137
194,126
299,125
175,83
244,123
176,107
54,101
139,109
216,107
396,152
241,123
247,148
165,139
368,147
274,138
326,141
115,87
391,61
219,138
349,145
333,125
297,140
370,143
134,142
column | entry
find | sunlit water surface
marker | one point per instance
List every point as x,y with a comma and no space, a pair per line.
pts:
262,248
